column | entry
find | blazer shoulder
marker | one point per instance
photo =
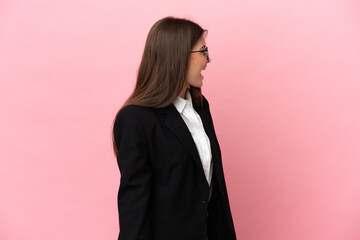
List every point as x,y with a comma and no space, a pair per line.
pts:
132,114
134,110
130,119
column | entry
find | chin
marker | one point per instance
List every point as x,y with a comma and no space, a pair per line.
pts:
197,83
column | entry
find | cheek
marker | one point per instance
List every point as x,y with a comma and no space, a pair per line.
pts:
194,70
194,73
197,67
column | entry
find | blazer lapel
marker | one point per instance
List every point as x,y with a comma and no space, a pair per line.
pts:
177,125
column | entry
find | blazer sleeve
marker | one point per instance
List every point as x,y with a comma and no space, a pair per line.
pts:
135,182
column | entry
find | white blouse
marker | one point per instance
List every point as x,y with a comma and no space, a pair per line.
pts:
196,128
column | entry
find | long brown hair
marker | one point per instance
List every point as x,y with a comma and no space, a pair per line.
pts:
164,64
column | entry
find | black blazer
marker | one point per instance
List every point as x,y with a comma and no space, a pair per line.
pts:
163,192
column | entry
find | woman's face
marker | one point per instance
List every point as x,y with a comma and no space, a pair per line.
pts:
197,63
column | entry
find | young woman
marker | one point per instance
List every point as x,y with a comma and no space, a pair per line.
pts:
172,182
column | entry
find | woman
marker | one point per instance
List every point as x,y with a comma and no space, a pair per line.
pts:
172,183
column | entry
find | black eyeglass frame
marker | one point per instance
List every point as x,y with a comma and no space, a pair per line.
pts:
205,52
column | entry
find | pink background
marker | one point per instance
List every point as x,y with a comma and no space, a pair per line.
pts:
284,88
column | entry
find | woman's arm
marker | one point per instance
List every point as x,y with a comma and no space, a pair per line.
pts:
134,191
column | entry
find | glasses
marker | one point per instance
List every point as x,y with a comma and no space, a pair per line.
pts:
205,52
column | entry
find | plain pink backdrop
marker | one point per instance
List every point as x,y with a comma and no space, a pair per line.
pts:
283,85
